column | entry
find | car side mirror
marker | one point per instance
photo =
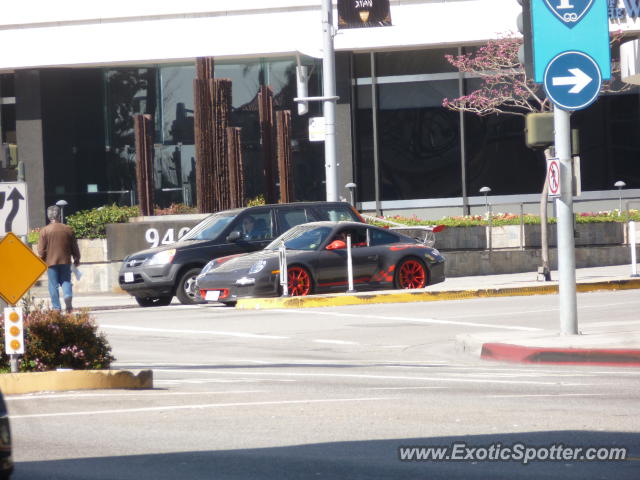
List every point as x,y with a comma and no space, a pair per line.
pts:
234,236
336,245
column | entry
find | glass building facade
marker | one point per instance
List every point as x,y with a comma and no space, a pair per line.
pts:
424,151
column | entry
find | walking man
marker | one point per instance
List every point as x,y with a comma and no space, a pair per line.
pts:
56,245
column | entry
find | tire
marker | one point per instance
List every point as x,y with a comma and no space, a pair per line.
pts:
154,301
411,273
186,287
300,283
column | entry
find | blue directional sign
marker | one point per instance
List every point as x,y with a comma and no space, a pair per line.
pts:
572,80
570,25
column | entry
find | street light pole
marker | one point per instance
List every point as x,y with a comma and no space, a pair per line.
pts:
620,184
329,110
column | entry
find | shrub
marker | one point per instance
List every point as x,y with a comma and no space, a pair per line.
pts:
58,340
175,209
92,223
255,201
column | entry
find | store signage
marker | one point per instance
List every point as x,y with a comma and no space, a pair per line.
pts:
363,13
623,9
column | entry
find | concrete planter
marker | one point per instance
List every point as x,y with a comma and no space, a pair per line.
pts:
462,238
513,236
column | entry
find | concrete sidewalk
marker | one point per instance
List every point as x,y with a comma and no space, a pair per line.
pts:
620,346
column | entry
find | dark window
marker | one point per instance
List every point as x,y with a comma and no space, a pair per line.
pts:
358,236
334,214
290,217
380,237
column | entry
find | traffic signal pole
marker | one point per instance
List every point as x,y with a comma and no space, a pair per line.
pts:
565,226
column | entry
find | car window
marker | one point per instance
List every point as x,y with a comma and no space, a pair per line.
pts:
255,225
302,237
209,228
358,236
335,214
381,237
290,217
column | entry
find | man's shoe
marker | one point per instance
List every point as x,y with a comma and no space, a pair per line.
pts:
67,303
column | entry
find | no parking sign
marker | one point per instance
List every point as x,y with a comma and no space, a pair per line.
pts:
553,176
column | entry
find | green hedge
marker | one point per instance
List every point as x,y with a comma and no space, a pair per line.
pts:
92,223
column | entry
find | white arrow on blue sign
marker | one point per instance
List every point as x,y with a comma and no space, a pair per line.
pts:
572,80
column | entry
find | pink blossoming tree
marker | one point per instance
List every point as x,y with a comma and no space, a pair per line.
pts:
505,89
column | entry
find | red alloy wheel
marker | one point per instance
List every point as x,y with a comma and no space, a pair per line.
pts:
412,274
299,282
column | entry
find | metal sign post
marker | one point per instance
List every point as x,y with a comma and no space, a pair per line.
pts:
349,265
632,245
566,241
284,276
572,56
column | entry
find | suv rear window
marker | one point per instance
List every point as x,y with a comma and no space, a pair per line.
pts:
335,214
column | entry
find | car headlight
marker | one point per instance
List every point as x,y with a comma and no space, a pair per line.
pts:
162,258
207,267
256,267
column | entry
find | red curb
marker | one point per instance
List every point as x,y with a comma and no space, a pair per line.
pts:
560,356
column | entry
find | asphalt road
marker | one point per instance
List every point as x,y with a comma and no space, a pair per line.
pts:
333,394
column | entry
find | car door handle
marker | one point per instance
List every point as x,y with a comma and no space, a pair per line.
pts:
372,257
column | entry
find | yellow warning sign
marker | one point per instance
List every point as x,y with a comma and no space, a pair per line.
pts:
19,268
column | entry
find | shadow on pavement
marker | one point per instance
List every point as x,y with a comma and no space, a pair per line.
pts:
357,460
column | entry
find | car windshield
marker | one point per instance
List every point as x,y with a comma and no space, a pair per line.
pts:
209,229
302,237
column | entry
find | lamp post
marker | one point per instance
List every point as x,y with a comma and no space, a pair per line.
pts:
620,185
352,187
486,191
62,204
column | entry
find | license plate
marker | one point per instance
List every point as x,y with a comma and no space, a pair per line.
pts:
212,295
128,277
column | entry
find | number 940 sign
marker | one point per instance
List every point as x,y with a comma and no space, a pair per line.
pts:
152,236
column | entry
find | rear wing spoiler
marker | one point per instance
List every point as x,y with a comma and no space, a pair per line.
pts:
422,233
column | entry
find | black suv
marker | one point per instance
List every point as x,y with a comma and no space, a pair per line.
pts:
155,275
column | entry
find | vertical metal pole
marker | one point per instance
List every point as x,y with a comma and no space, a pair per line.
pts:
349,265
329,90
284,276
490,227
374,133
566,240
632,242
466,209
13,362
521,226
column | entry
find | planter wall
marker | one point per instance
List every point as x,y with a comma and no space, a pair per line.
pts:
511,236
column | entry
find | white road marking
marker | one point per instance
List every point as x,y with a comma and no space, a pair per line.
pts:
406,388
336,342
415,320
199,407
146,393
550,395
198,332
381,377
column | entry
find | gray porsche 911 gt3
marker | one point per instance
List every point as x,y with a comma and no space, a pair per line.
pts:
317,263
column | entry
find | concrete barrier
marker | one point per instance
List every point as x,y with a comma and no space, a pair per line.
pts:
17,383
